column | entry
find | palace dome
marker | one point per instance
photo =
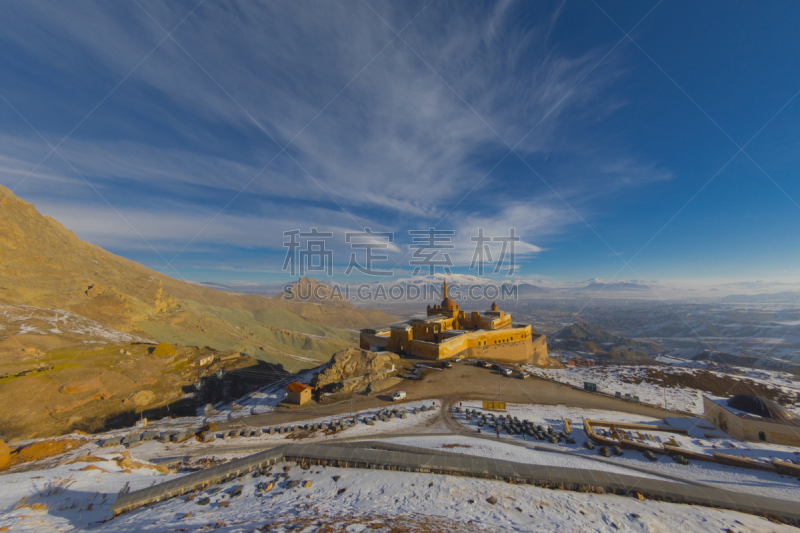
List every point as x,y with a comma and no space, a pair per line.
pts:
449,303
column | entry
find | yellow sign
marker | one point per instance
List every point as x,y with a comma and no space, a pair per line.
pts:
497,406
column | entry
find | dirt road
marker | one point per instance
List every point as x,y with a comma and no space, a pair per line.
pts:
464,381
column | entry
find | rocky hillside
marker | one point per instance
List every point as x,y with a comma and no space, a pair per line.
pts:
354,369
45,266
594,339
63,301
582,330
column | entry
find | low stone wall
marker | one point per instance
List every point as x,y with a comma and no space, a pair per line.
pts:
398,458
672,450
666,449
196,481
626,425
743,462
626,444
786,468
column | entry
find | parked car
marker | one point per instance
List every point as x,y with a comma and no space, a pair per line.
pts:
680,459
495,366
506,371
447,364
524,375
399,395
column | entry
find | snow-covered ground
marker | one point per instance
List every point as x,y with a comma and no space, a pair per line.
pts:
70,495
47,321
509,452
610,381
423,422
613,379
262,401
77,492
359,501
727,477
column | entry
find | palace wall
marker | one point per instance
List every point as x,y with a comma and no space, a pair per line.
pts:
512,345
450,332
514,352
367,341
747,429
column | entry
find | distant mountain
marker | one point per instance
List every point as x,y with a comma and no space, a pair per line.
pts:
308,290
726,358
614,286
464,281
590,338
528,289
775,297
582,330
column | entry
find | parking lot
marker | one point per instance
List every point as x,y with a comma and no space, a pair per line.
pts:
465,381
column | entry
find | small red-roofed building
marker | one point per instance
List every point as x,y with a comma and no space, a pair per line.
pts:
298,393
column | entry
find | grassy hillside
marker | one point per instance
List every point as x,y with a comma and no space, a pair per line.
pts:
62,300
46,266
266,334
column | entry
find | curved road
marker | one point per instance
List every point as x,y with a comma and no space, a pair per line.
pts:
697,494
467,382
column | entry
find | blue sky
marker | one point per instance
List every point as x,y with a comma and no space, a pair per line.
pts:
621,140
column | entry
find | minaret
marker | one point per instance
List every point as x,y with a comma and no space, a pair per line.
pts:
444,289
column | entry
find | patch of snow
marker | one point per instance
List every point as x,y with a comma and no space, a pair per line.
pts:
727,477
359,502
509,452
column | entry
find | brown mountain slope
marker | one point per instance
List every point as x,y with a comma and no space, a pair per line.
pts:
329,312
45,265
73,312
112,299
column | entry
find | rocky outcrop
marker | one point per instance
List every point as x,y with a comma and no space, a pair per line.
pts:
143,397
5,453
354,369
383,384
164,350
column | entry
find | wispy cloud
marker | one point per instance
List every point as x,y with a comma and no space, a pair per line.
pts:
397,149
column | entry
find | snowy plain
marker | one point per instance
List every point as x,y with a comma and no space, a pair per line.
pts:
359,501
423,422
613,379
78,493
723,476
